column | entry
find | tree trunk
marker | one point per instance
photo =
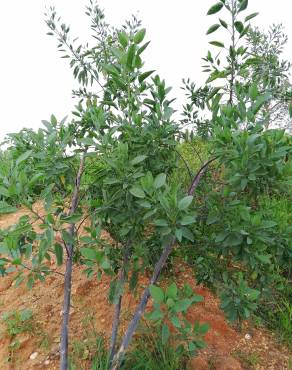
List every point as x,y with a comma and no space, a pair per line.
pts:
68,273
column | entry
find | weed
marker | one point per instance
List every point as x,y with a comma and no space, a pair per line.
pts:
17,322
249,359
149,352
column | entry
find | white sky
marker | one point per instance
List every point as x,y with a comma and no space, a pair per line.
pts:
35,82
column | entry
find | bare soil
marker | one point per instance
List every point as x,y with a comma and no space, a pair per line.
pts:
91,311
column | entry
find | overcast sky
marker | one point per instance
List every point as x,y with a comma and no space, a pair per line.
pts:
35,82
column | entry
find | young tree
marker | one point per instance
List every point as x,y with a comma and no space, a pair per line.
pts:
122,142
251,60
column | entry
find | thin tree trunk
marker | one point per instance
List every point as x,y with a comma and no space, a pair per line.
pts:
118,307
68,273
157,270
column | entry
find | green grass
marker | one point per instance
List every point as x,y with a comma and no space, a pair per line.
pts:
148,352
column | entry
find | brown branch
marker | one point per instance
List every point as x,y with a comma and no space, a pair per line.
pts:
68,272
33,270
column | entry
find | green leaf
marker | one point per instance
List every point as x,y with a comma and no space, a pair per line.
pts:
130,56
142,48
144,75
264,258
137,192
243,5
123,39
170,302
217,43
139,37
171,291
233,239
115,291
251,16
192,348
268,224
212,218
253,294
223,23
187,234
261,100
138,159
253,91
239,26
144,204
159,180
71,219
59,253
23,157
110,69
202,329
185,202
215,8
221,236
178,234
196,298
161,222
4,191
5,208
213,28
89,253
164,334
105,264
182,305
156,293
187,220
154,315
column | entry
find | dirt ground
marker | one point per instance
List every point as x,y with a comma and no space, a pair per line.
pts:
227,348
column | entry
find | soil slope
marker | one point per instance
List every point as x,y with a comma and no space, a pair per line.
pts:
38,349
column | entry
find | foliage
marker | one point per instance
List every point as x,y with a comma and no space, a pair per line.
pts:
121,166
129,131
271,73
149,352
238,300
171,305
255,161
17,322
251,62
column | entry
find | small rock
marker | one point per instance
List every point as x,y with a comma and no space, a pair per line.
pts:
47,362
198,363
227,363
33,356
247,336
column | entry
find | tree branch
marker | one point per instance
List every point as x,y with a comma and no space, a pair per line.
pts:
157,270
